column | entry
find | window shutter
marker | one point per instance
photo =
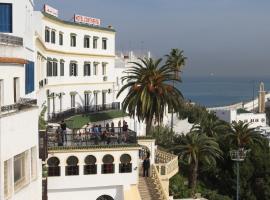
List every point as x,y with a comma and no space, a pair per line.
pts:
70,69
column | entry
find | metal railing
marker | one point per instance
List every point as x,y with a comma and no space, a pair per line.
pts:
90,137
166,163
10,40
58,116
22,104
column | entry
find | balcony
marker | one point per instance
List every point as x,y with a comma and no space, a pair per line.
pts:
166,163
84,138
22,104
56,117
6,39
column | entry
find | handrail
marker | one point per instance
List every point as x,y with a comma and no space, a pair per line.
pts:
166,162
157,180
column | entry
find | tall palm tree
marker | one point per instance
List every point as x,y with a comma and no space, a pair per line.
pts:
211,126
176,60
195,148
149,91
241,135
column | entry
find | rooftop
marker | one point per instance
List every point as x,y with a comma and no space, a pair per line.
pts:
85,138
77,24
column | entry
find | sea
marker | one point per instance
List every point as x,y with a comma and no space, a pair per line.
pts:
220,91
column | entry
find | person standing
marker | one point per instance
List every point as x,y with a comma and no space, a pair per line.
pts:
146,166
63,126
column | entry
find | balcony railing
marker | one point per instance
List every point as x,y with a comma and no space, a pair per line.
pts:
87,137
58,116
163,195
166,163
10,40
22,104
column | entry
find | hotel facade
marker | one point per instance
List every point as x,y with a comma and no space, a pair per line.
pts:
65,68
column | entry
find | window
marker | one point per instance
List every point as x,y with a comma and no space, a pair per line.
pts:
73,40
95,98
107,166
125,166
49,68
87,69
7,179
61,39
55,68
62,68
86,42
104,43
16,89
104,68
6,17
29,77
95,69
53,166
47,35
53,36
33,163
86,98
72,100
95,39
90,166
72,167
73,71
256,120
104,97
1,92
105,197
19,170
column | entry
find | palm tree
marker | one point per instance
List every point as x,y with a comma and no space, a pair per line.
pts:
149,91
241,136
195,148
176,60
211,126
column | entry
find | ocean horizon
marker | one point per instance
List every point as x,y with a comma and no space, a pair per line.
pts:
219,91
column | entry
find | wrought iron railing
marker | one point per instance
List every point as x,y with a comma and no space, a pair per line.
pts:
58,116
10,40
23,103
84,137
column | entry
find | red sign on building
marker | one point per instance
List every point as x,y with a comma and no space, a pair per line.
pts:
87,20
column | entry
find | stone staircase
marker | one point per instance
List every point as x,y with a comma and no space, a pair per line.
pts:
147,189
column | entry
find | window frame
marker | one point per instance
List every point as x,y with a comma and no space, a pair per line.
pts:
104,43
73,40
47,35
86,41
10,25
53,36
21,158
87,69
61,39
73,70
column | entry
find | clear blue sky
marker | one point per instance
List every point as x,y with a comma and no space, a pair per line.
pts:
224,37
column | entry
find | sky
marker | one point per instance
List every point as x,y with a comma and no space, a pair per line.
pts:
223,37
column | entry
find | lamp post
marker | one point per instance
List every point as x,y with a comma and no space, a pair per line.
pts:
238,156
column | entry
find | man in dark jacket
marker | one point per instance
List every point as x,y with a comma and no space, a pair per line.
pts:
146,166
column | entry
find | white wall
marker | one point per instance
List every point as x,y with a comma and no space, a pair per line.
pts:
86,186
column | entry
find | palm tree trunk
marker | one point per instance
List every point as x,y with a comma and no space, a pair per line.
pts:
193,178
148,125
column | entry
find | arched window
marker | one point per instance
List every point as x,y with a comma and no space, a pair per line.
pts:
107,166
125,166
105,197
90,166
72,167
53,166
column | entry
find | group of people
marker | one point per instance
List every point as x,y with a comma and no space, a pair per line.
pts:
106,135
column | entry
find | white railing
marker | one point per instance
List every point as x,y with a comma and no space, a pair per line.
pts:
158,183
166,163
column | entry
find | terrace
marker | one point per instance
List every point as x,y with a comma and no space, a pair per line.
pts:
88,137
58,116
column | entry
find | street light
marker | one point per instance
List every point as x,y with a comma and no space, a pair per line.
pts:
238,155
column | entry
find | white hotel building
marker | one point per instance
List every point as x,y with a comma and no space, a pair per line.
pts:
75,64
68,68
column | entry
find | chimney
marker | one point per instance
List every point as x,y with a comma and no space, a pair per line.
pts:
261,99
